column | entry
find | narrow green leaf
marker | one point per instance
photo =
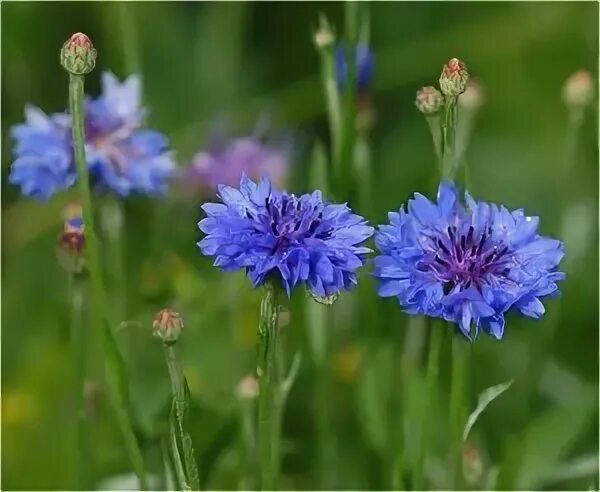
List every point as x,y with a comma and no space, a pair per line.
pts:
485,398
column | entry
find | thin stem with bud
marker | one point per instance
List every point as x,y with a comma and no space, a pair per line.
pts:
114,363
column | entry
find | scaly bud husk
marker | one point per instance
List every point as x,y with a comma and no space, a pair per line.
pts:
453,80
167,325
78,55
429,100
578,91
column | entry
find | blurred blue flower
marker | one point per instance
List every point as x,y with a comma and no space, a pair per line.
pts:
122,156
228,162
298,239
469,265
364,66
43,157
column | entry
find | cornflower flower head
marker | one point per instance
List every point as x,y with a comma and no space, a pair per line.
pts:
226,164
123,157
466,264
297,239
364,66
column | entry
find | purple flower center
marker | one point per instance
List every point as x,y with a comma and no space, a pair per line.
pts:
463,260
291,221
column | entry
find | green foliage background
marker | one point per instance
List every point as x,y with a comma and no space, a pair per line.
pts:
205,63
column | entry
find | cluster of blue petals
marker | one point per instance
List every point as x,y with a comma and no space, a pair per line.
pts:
466,264
122,156
301,240
364,66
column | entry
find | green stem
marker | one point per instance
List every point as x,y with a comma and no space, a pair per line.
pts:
183,439
129,41
436,134
78,353
332,99
268,334
431,380
76,95
448,137
317,321
246,445
574,125
397,441
458,389
112,222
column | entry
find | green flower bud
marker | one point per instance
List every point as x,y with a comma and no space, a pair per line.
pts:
429,100
453,80
167,325
78,55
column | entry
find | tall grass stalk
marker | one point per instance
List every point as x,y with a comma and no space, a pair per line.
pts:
114,364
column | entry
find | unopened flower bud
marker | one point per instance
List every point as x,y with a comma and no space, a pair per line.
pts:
70,249
324,37
71,241
167,325
578,91
78,55
453,80
429,100
247,388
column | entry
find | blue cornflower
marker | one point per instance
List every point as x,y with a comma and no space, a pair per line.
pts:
364,66
297,239
469,265
122,156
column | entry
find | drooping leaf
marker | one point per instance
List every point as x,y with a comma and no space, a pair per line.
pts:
485,398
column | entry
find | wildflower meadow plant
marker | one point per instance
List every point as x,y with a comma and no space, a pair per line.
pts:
468,265
296,239
282,241
123,157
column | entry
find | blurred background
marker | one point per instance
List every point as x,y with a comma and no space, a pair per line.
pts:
241,68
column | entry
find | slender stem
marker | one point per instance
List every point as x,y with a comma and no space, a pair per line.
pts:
332,98
431,380
246,445
574,125
436,134
79,358
448,137
268,334
397,444
112,222
326,451
458,388
181,405
175,373
76,94
129,44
